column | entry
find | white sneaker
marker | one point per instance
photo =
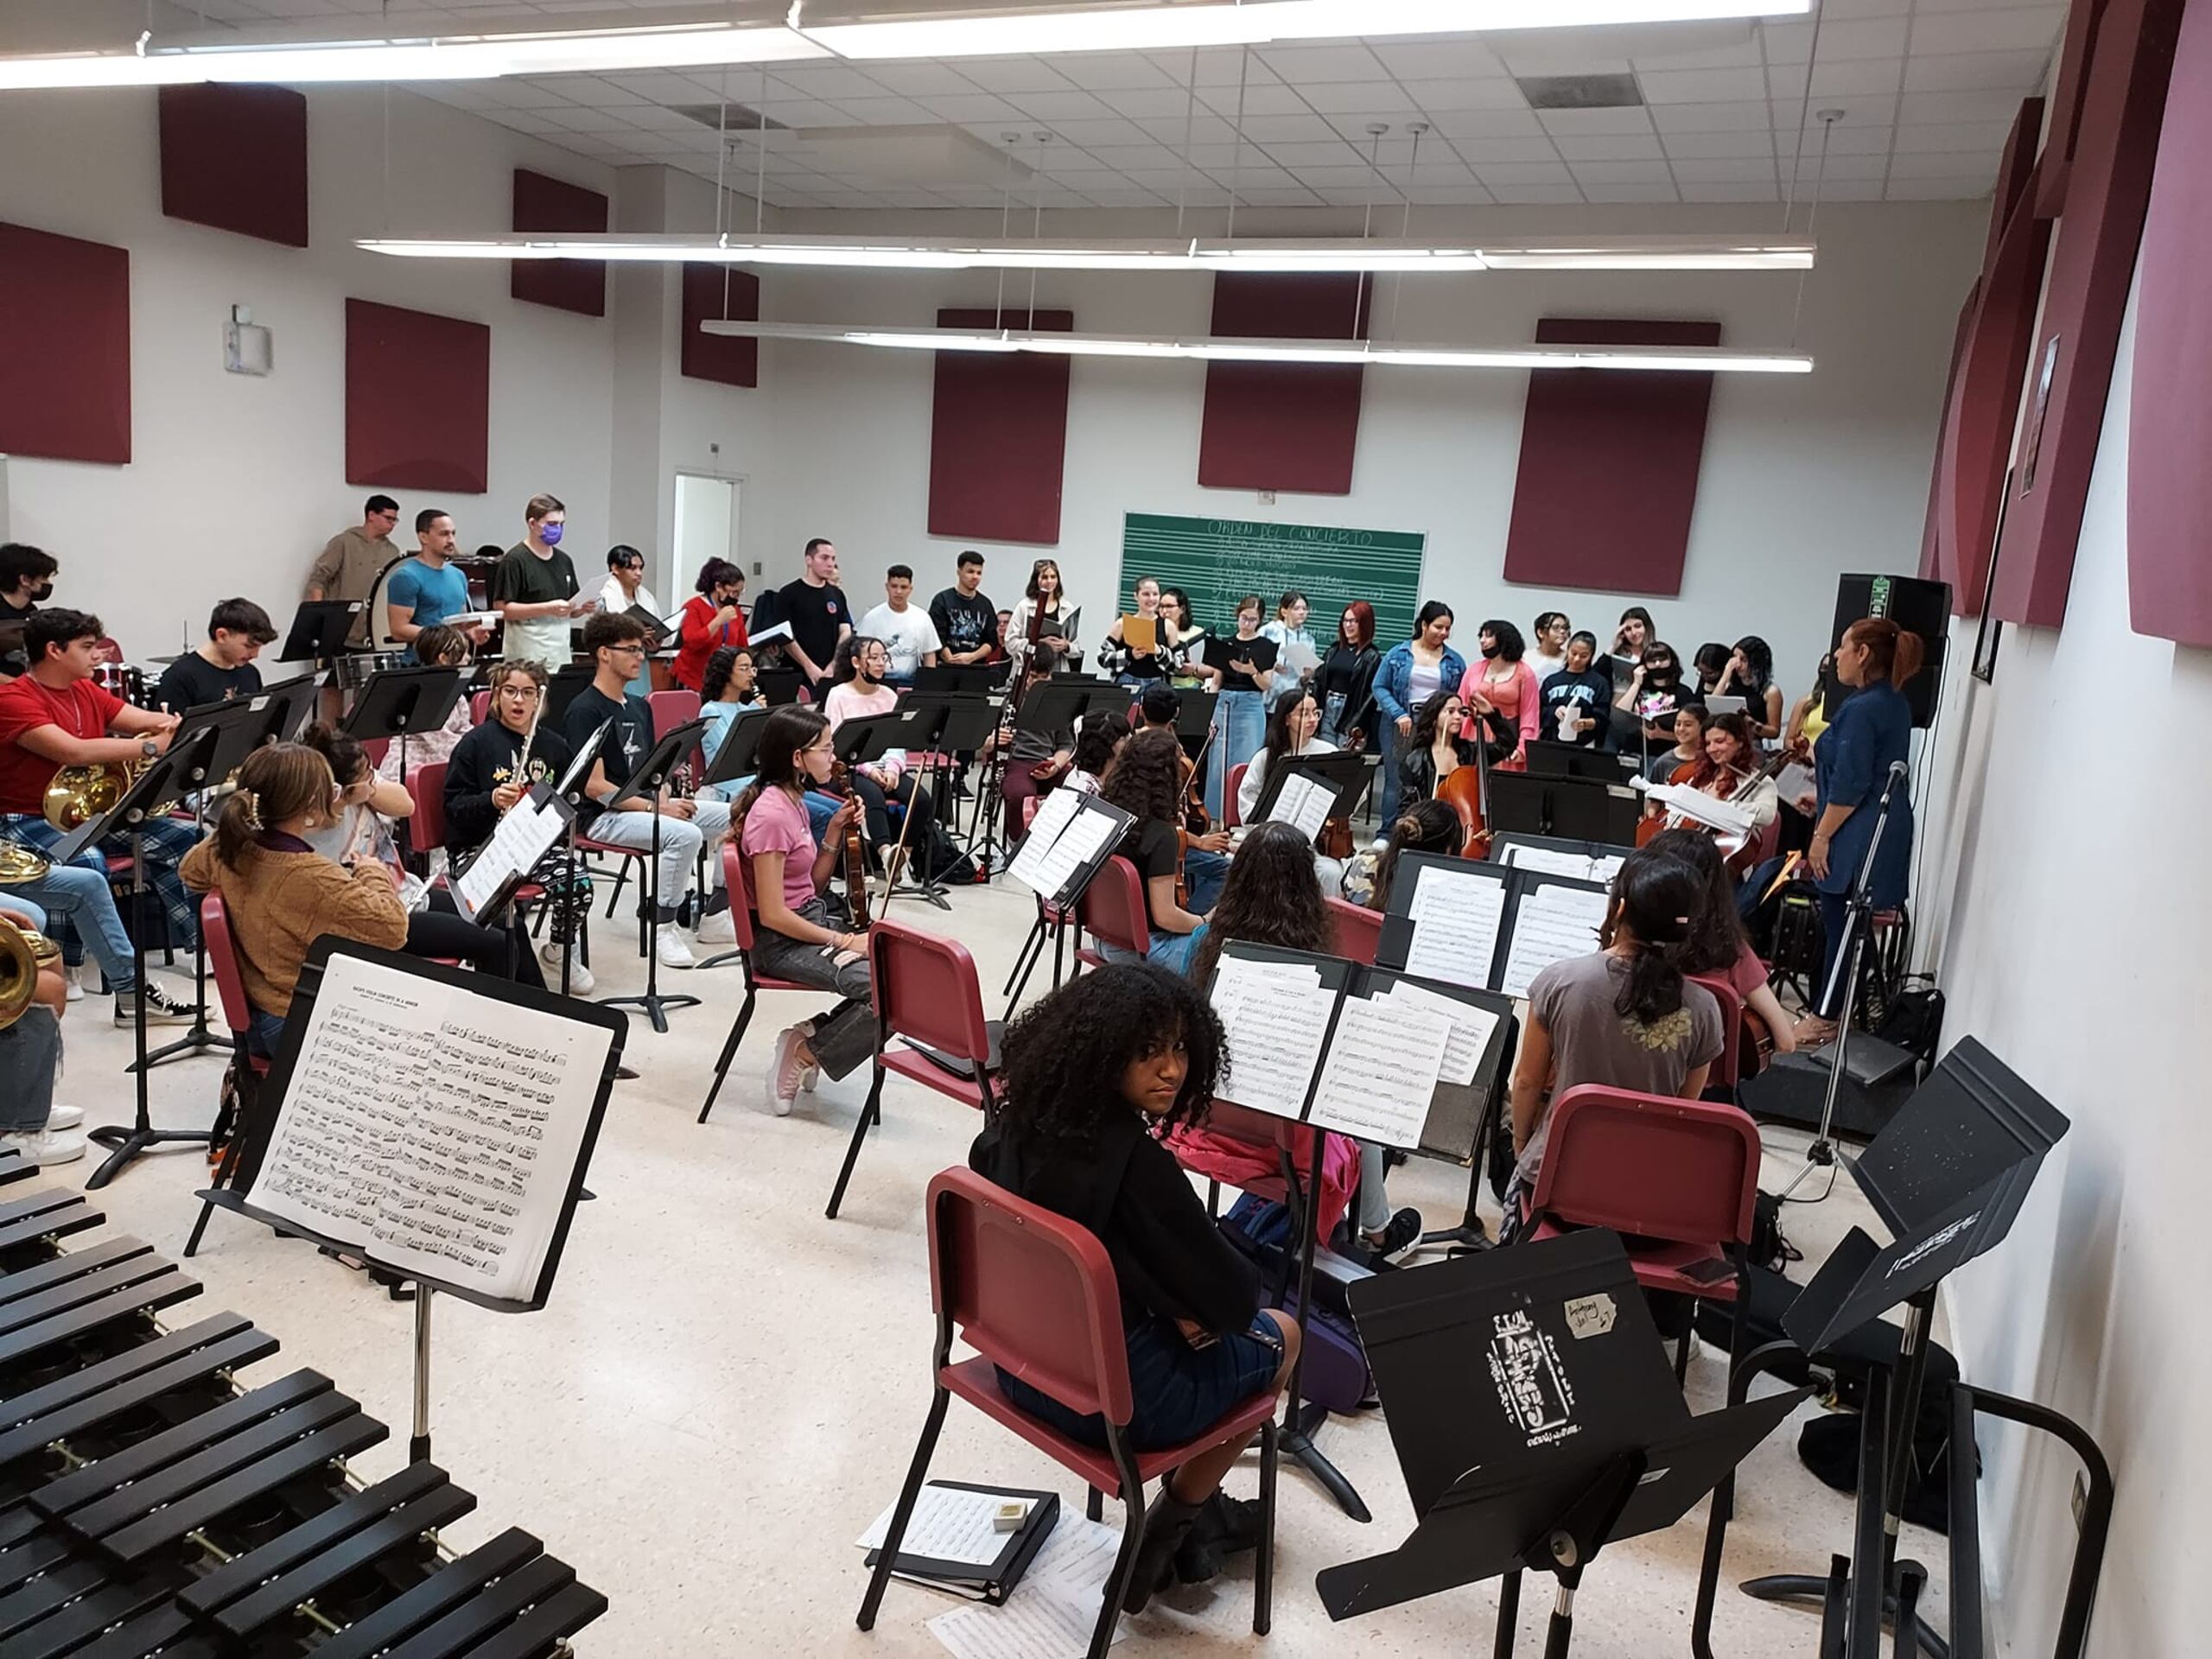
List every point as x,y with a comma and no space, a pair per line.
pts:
580,978
669,946
807,1079
783,1076
64,1117
45,1147
718,929
73,982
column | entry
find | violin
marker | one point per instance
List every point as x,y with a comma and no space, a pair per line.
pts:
855,847
1701,775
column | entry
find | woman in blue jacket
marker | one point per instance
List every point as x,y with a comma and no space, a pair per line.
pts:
1870,734
1410,675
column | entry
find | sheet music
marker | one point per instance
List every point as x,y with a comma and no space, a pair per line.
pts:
1053,816
433,1128
525,833
1274,1015
1303,804
1471,1029
1603,870
1455,919
1553,924
1550,861
948,1524
1382,1071
1052,1611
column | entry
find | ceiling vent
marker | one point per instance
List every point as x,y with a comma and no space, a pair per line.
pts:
1581,92
730,118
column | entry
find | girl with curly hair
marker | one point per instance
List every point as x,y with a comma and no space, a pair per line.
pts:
1146,780
1092,1073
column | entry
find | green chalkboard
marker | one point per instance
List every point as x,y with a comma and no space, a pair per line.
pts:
1218,561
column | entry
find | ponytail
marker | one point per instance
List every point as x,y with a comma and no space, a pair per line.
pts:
276,783
1893,653
1425,827
1657,898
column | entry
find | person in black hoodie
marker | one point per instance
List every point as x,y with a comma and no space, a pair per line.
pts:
1092,1072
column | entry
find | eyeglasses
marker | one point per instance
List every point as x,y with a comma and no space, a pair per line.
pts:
635,649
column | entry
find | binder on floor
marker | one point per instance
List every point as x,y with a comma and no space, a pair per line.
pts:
954,1519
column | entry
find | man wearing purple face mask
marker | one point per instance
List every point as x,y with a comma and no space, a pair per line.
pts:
534,588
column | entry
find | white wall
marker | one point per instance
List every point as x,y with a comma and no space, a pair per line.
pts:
2064,897
236,482
1803,478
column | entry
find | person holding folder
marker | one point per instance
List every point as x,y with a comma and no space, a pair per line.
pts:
1142,642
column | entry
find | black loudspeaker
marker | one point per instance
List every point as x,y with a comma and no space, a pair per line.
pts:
1878,1078
1920,606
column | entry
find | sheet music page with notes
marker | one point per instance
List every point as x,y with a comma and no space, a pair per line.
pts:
1553,924
1471,1029
1456,919
433,1128
525,833
1034,866
1302,803
1274,1015
1382,1070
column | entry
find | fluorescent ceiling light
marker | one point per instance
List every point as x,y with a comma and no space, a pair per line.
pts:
1186,253
1219,348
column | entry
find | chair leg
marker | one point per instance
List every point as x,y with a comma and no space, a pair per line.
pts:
1263,1564
1095,1505
621,876
729,1051
1125,1562
869,1116
1682,1348
905,1509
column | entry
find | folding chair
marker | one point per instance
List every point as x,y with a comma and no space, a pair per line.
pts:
1676,1178
1720,1081
1357,932
1034,1295
1230,816
671,709
480,704
925,991
738,879
1113,913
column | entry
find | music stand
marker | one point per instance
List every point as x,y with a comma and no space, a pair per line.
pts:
954,679
562,689
739,754
778,686
570,788
443,1132
319,631
912,726
1345,773
1566,808
398,701
164,781
645,782
1536,1370
1947,1176
1547,757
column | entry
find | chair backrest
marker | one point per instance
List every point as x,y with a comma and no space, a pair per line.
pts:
480,705
426,826
737,881
223,958
1231,814
1357,930
672,709
1650,1165
1031,1291
1113,907
1727,1069
925,988
375,750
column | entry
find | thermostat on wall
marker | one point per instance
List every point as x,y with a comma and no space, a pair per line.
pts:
247,348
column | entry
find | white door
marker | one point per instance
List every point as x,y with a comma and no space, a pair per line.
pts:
706,528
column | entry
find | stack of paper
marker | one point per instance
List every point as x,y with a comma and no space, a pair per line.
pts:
1554,860
1053,1613
1274,1015
1071,830
1303,802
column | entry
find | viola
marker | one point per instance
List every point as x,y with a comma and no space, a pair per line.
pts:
855,847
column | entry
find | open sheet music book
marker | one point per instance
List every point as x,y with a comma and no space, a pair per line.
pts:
1493,926
1583,861
1304,803
1070,839
526,833
437,1129
1727,816
1364,1052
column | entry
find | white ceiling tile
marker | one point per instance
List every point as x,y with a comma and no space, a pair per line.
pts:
1498,173
1922,108
663,88
1623,172
1085,179
822,81
1270,98
1355,126
1452,195
1129,158
1336,154
1169,179
581,119
1481,153
1871,76
1341,97
2026,29
863,112
1988,136
1091,134
920,79
654,118
1455,124
1536,194
1841,169
810,113
1221,66
1789,43
1158,103
1746,191
1871,37
1790,113
1976,72
1346,176
1594,122
1731,54
1440,61
1857,190
1112,71
1716,145
1703,86
970,106
1594,191
1843,141
1723,171
1557,52
1753,116
1610,147
1070,105
1981,164
530,122
1123,198
1290,196
1441,97
1342,196
1005,75
1302,64
1288,129
1204,129
1963,189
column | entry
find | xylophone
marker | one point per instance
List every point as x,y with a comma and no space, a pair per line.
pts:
150,1503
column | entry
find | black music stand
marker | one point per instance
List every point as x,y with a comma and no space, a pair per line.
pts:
1537,1370
1548,758
164,782
1568,809
954,723
1947,1177
319,631
256,1138
645,781
738,756
396,701
867,738
778,686
1053,705
1346,772
567,682
954,679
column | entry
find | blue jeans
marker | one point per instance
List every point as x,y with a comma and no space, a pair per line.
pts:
1388,779
1204,874
1178,1392
86,919
1170,951
166,842
1240,726
30,1056
266,1034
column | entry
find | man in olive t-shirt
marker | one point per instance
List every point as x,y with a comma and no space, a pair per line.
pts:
346,568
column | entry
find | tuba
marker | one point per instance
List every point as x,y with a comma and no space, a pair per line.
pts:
76,795
23,953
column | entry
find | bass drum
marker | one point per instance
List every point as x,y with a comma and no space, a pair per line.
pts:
119,679
352,670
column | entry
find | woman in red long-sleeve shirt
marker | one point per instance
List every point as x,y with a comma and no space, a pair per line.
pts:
712,618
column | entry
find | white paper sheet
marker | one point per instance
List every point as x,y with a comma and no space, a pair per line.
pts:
1052,1610
1274,1015
1470,1030
1030,865
1549,860
525,833
1455,920
432,1129
1381,1074
1551,924
1302,803
948,1524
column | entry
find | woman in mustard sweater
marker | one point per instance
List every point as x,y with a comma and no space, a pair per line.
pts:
280,894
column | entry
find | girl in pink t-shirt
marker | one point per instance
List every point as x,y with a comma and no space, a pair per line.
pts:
797,936
883,782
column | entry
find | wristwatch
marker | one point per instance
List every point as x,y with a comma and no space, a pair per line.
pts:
149,747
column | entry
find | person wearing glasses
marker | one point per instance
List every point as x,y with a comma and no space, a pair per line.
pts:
616,645
861,670
346,568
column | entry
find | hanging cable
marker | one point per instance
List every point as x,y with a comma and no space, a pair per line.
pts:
1804,111
1037,222
1190,119
1236,164
1375,131
1005,225
1829,118
1406,226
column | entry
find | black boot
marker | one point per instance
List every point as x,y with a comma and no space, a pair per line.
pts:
1165,1525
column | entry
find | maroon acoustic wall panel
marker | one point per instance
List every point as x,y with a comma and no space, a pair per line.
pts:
2075,50
2169,414
998,435
236,157
543,204
65,348
2092,266
395,436
1609,463
1931,556
726,295
1284,426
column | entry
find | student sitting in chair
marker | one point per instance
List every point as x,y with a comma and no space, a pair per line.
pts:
1093,1073
1423,827
728,688
1147,780
31,1124
861,665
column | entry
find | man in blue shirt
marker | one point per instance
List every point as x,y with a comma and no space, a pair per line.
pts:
426,588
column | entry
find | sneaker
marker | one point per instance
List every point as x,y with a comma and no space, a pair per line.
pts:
579,977
808,1079
73,980
161,1008
669,946
784,1076
1399,1238
718,929
64,1117
45,1147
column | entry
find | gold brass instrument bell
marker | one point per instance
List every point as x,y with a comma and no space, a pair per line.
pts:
76,795
22,953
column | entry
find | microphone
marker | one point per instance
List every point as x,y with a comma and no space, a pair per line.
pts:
1900,771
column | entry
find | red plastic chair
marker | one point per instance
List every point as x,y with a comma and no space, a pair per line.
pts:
925,991
426,825
479,706
1114,911
1034,1295
737,877
1725,1069
229,969
375,749
672,709
1676,1178
1357,930
1231,816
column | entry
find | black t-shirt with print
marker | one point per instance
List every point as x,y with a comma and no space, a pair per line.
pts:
964,621
625,746
814,615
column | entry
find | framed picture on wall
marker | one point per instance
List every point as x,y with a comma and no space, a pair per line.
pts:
2031,451
1985,644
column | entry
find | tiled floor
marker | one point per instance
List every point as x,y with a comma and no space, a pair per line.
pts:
726,1387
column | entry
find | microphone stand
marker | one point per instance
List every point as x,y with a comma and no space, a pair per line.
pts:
1858,925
